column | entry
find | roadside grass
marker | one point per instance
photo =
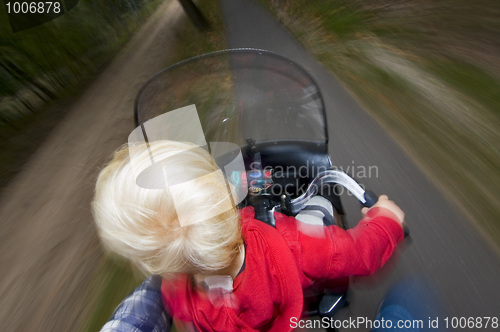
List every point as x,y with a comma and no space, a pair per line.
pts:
469,80
429,73
114,281
116,278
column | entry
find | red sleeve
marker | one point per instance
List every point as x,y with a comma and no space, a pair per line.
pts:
331,252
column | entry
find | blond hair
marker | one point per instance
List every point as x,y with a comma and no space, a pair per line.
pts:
142,224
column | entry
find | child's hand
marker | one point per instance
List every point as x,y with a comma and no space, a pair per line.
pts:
384,202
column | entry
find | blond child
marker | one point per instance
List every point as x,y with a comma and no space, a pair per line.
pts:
222,269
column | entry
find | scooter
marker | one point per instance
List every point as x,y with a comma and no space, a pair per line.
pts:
263,119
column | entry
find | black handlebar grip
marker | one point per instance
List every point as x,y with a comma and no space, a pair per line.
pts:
370,199
406,230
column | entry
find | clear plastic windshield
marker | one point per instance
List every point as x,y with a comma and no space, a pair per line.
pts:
239,95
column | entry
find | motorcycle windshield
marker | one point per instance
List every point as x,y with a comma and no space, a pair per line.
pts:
240,95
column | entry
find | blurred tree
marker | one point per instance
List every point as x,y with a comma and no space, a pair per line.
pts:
194,14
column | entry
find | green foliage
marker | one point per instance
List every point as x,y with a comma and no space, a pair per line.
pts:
340,18
47,61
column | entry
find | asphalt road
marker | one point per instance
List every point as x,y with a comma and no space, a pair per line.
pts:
445,249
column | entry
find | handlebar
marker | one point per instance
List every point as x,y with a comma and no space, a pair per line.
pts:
370,199
324,178
367,198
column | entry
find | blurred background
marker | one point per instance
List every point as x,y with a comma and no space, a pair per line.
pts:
428,72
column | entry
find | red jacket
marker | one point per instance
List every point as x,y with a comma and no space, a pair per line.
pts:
280,262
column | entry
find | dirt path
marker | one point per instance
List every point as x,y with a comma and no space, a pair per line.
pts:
49,250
